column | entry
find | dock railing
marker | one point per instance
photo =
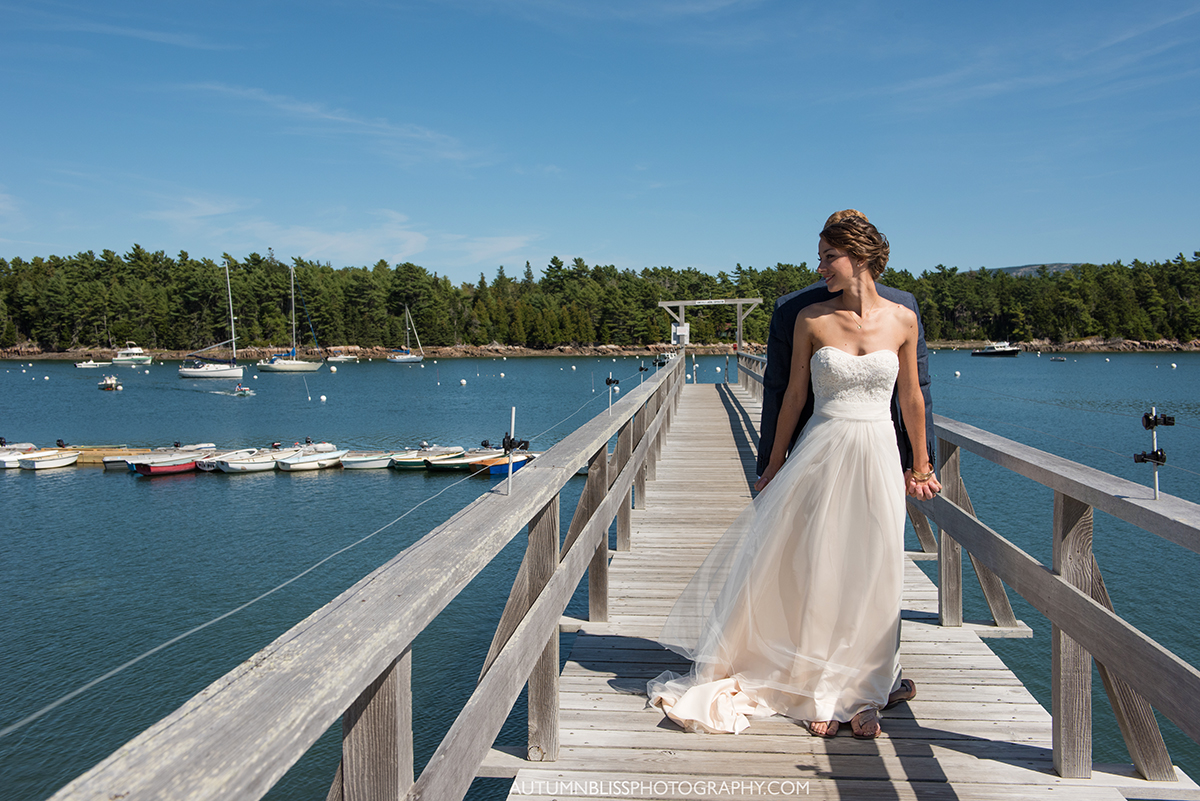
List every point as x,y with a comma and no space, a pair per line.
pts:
352,658
1139,675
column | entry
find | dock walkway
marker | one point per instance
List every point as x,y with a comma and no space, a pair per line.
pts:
973,732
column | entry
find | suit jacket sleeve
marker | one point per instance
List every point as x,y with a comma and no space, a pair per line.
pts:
775,381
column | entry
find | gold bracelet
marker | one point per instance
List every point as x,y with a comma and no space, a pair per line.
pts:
922,476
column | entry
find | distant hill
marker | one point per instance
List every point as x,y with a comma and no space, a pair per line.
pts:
1031,269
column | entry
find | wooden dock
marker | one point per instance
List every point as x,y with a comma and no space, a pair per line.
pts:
973,732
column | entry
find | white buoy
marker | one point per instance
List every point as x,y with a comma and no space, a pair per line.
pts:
572,368
332,369
256,376
462,381
119,387
616,389
1172,365
502,375
718,369
147,372
322,399
957,373
505,358
1105,358
46,377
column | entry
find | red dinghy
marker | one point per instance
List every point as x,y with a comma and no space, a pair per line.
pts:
182,464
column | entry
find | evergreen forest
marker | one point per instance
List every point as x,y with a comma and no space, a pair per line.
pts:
180,303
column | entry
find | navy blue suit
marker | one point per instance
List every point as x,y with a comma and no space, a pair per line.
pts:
779,367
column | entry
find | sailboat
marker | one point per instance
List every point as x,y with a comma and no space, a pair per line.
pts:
287,362
405,355
208,367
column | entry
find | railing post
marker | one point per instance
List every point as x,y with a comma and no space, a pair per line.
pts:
1070,664
598,567
377,746
621,461
543,680
639,480
949,551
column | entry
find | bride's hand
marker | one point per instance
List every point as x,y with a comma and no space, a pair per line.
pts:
922,490
765,478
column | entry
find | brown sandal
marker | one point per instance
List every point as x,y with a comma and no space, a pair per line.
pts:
865,725
907,692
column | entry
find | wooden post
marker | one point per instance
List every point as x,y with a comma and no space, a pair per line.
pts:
598,567
543,681
921,526
377,746
622,456
652,452
639,480
1135,716
949,551
1070,664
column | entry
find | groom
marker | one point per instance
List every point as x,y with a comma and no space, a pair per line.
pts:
779,364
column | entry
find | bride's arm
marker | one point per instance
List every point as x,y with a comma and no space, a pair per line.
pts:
793,399
919,481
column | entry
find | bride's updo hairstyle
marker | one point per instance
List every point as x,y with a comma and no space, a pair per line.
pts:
859,238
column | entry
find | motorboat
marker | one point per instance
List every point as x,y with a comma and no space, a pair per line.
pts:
209,463
499,466
131,354
338,357
405,355
258,462
310,459
11,456
467,461
197,366
367,460
997,349
109,383
48,461
89,363
242,391
287,362
415,459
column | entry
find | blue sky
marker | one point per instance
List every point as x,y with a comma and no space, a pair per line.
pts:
467,134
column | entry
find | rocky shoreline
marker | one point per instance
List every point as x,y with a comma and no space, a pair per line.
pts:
496,350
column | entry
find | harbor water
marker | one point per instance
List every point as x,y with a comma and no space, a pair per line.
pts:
101,570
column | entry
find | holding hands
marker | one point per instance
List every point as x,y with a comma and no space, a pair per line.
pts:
921,485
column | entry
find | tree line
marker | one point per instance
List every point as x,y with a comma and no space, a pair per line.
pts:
180,303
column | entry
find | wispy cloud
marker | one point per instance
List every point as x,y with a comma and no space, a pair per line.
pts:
404,141
11,216
74,22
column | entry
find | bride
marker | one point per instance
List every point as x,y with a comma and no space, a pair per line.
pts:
796,611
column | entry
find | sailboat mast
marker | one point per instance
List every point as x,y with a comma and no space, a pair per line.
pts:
292,270
229,294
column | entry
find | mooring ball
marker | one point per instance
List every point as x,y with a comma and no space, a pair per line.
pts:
322,399
332,369
462,381
957,373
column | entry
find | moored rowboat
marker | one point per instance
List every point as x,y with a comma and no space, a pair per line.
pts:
415,460
310,460
162,467
48,461
368,460
12,458
257,463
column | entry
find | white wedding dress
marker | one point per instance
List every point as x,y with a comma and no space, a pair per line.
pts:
796,611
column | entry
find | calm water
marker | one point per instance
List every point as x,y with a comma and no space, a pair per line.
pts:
98,568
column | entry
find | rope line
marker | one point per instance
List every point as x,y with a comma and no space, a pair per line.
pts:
7,730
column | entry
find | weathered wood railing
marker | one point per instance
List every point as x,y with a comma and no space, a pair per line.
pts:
353,656
1139,675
